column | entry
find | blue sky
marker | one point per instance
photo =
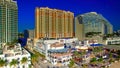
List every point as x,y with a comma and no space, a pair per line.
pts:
108,8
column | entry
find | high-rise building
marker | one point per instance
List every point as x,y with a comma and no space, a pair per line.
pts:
53,23
29,34
8,21
92,22
79,29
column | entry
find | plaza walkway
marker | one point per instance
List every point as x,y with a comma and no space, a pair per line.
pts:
115,65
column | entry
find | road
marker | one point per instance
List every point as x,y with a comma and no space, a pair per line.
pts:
112,46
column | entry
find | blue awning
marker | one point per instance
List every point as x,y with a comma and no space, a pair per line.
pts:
58,50
73,48
96,45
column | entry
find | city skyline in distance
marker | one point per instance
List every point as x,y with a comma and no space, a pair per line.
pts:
26,10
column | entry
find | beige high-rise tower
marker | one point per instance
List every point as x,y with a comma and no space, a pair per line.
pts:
53,23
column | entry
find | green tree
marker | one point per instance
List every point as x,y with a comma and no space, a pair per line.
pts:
34,58
82,53
39,54
14,41
110,55
76,53
111,59
100,59
14,62
2,62
85,66
118,52
118,58
90,34
93,60
71,64
20,35
109,35
97,50
24,60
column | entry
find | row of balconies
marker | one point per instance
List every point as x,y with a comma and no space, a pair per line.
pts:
63,62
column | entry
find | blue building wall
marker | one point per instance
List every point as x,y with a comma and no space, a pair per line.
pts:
22,41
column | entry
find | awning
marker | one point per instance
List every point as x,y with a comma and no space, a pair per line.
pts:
58,50
96,45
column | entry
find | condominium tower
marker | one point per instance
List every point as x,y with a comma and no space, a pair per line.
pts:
8,21
53,23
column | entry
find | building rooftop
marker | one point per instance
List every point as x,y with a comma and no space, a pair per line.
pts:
57,55
56,44
55,9
14,50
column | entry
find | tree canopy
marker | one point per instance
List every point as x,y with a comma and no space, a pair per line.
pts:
92,34
2,62
13,62
24,60
71,64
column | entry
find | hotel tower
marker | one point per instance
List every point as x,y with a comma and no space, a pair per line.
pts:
8,21
53,23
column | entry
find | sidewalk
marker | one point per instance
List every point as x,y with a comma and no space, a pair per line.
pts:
115,65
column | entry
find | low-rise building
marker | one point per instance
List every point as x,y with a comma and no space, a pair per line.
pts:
113,41
44,45
14,56
56,51
60,58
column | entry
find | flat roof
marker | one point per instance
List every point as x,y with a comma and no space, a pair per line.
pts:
58,50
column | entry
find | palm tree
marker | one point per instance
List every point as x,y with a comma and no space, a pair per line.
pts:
24,60
93,60
2,62
111,59
34,58
76,53
82,53
100,59
97,50
14,62
71,64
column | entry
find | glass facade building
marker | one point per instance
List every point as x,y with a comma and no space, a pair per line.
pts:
8,21
93,22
